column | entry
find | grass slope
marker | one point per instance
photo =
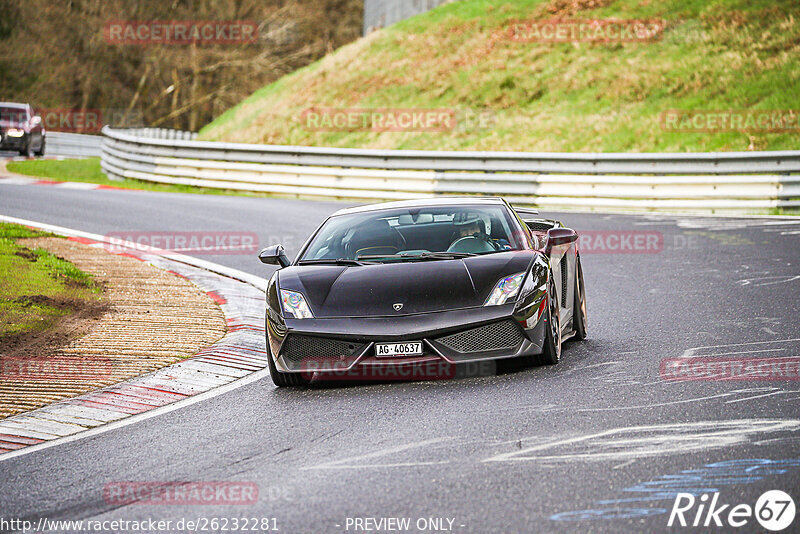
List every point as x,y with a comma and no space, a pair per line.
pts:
37,287
713,55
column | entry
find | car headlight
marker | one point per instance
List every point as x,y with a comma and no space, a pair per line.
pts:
505,290
294,304
15,132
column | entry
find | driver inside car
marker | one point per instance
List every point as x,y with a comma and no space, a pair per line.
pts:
475,227
472,227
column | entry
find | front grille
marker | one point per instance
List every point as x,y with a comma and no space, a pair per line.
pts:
495,336
298,348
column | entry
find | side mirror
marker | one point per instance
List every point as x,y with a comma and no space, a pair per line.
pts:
560,236
274,255
36,120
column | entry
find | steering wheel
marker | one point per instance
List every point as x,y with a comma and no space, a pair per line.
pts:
472,244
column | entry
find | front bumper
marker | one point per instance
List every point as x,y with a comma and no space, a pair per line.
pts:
449,338
13,143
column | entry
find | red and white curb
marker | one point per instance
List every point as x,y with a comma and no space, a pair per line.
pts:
83,186
239,355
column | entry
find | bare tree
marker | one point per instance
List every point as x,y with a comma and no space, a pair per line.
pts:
61,58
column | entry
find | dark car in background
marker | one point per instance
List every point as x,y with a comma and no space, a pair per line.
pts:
21,129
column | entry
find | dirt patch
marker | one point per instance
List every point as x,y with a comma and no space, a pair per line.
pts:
26,253
82,316
149,319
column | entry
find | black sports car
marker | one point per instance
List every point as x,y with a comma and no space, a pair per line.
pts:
425,284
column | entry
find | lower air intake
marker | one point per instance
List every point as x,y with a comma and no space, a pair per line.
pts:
495,336
299,348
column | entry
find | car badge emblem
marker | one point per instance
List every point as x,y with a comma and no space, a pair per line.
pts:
398,306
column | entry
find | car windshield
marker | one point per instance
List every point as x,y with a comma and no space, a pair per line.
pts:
13,114
415,234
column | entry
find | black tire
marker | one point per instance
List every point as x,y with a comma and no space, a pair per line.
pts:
27,151
551,352
579,308
283,380
40,152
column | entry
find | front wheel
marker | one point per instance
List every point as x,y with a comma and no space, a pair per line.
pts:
27,151
40,152
579,307
280,379
551,353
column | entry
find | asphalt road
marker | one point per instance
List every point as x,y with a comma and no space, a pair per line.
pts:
600,442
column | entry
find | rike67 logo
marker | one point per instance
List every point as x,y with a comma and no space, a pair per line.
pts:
774,510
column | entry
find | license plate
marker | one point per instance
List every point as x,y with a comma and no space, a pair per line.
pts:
394,350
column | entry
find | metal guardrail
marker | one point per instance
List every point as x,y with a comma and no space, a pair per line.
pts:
383,13
162,133
685,181
73,145
84,145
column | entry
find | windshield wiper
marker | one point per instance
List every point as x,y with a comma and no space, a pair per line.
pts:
446,255
419,257
335,261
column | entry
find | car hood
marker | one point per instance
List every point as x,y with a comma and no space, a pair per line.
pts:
425,286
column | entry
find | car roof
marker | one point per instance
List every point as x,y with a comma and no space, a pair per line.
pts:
13,105
424,203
